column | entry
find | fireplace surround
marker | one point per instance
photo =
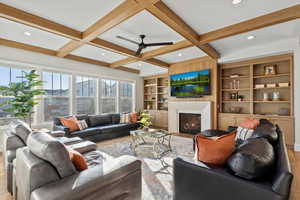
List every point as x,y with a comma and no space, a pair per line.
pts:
193,107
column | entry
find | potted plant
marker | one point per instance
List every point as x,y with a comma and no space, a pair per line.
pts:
24,95
145,120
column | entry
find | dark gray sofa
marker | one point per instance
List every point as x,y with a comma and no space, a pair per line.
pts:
197,181
100,127
45,171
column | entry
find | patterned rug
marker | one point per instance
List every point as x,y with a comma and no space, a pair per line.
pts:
157,182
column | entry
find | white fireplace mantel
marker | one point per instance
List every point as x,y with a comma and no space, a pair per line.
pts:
195,107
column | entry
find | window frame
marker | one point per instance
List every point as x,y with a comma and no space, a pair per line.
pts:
69,96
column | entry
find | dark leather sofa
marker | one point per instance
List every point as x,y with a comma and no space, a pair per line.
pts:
100,127
199,181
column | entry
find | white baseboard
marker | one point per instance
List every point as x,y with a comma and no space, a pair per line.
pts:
297,147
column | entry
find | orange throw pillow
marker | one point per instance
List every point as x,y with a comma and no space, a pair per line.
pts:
215,151
78,160
249,123
134,117
71,123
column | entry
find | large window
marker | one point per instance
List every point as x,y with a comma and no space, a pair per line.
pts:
126,97
9,75
56,101
85,95
108,96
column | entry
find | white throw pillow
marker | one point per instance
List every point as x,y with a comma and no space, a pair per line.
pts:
243,134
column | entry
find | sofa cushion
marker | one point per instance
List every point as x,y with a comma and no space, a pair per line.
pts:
20,129
215,151
253,159
249,123
70,122
115,118
78,160
86,132
100,120
267,131
49,149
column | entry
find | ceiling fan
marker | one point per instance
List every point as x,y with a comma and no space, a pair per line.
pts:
143,45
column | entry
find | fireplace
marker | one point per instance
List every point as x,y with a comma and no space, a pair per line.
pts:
189,123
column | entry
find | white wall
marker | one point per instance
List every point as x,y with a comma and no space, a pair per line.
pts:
275,48
19,57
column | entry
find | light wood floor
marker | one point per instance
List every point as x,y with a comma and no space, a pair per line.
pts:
294,158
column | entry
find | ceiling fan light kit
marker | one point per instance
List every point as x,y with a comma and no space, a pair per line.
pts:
142,45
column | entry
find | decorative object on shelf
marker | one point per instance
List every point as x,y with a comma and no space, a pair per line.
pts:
238,84
270,69
283,84
235,109
148,107
259,85
234,76
283,111
266,96
271,85
276,96
240,98
234,96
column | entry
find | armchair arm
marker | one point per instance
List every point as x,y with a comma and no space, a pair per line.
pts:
57,133
62,128
195,182
111,180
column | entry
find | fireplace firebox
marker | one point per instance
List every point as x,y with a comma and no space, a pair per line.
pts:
189,123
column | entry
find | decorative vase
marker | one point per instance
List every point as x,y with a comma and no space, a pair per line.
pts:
266,96
276,96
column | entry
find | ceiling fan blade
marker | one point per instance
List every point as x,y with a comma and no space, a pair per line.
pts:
159,44
128,40
138,52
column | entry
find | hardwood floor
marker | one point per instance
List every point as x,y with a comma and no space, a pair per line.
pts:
294,158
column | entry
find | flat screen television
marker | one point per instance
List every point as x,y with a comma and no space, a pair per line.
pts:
191,84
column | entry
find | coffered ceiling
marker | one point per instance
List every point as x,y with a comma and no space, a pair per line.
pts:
15,31
86,31
76,14
142,23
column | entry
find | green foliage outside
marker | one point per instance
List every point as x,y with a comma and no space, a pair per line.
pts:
24,95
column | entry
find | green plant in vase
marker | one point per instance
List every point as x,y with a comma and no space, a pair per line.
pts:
24,96
145,120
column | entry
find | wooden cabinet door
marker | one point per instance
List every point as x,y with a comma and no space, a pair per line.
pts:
225,121
287,128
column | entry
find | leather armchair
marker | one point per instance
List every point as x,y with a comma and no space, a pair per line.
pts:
15,137
48,173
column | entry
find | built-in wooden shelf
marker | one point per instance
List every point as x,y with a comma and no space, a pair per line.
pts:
271,76
150,93
232,78
232,101
151,85
232,90
271,101
252,72
272,88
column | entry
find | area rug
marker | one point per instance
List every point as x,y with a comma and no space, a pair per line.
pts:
157,182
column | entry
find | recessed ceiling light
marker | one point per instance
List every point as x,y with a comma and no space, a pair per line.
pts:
139,64
180,54
27,33
250,37
103,54
236,2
